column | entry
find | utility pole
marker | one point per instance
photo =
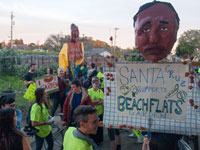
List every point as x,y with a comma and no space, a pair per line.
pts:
115,38
11,31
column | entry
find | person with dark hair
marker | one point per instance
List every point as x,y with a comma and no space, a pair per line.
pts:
86,119
80,77
68,74
6,101
10,137
91,73
40,119
68,87
49,71
97,98
83,68
30,76
156,25
77,96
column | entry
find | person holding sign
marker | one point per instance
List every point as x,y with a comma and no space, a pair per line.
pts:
59,97
30,75
156,25
28,80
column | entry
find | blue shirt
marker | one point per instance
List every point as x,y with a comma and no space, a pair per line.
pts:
76,100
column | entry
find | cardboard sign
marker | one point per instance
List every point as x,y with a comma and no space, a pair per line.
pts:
151,90
50,83
155,97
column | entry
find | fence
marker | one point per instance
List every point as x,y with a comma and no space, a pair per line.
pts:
39,60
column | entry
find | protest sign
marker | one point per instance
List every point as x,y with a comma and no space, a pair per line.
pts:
155,97
158,91
50,83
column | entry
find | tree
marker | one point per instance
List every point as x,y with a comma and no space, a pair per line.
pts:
55,42
32,46
87,42
18,42
100,44
189,42
134,55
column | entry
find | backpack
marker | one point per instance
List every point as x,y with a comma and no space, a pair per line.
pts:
29,129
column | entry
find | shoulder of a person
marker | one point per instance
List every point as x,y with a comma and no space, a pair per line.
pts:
27,74
70,94
90,89
84,93
35,106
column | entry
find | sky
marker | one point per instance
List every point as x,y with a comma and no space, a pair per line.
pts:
35,20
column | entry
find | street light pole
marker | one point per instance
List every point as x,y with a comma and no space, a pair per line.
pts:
11,31
115,38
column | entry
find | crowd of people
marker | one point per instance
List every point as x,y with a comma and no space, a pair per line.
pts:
81,93
83,88
81,104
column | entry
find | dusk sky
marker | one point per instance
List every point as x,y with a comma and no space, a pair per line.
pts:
35,20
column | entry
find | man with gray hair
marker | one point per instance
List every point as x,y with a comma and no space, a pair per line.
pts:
87,122
59,97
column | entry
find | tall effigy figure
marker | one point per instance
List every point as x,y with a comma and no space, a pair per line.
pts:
156,25
72,53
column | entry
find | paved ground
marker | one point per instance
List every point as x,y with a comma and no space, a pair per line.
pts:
127,143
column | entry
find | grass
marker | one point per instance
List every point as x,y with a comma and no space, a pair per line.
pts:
17,85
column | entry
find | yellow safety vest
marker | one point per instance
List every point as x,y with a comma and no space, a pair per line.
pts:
72,143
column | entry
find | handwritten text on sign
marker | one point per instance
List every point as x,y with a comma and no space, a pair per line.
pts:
50,83
152,90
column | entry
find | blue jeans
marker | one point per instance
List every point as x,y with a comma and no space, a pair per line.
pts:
40,141
19,118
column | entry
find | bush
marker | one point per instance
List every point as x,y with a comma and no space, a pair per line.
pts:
8,58
40,53
21,70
